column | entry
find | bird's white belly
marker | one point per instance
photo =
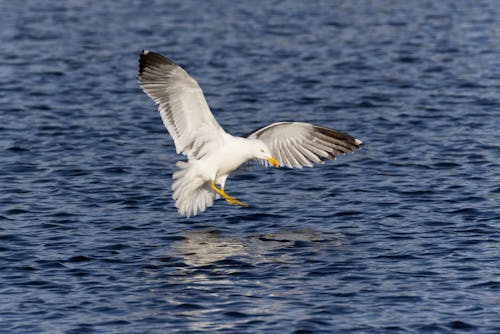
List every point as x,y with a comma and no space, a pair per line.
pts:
223,162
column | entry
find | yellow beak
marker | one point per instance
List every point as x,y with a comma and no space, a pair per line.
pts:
273,161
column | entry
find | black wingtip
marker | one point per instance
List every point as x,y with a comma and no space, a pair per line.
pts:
358,142
152,59
342,136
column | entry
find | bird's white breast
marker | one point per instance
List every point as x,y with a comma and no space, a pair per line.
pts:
228,157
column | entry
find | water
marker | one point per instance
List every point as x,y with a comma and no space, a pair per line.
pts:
402,236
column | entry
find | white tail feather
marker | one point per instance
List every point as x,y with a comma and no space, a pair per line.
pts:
192,194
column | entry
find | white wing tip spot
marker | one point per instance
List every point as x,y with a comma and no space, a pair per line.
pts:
358,142
145,52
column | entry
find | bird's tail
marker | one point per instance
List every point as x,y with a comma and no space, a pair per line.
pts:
192,194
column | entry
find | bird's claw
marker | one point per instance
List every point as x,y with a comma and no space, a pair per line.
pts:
232,200
229,199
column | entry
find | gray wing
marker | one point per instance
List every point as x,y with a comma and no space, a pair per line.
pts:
296,144
181,103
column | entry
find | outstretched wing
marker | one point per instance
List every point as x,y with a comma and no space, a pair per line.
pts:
296,144
181,104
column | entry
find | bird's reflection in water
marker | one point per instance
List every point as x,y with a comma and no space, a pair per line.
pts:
201,248
235,273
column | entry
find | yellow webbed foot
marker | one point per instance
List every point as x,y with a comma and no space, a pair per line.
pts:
235,201
229,199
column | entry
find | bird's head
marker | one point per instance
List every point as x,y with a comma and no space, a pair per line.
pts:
263,152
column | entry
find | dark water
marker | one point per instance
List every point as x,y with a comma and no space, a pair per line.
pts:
402,236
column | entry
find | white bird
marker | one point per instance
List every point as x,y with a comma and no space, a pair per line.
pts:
212,153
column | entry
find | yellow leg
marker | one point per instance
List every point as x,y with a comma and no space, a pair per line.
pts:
229,199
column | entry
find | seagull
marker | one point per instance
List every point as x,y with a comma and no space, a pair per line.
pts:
212,153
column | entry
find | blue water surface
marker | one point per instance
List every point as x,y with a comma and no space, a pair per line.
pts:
399,237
